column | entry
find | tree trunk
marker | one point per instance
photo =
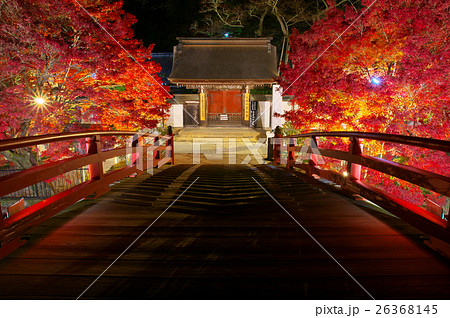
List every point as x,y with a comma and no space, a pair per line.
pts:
21,158
284,27
259,31
285,30
286,50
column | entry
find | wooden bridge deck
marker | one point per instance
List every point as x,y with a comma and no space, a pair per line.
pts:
224,238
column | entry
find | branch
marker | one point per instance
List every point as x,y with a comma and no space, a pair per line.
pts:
227,15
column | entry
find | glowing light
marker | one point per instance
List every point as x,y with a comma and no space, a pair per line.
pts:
345,173
227,34
39,102
376,81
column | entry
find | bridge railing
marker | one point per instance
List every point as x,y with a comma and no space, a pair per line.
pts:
286,150
146,151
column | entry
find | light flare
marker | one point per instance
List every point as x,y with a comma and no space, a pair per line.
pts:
376,80
39,103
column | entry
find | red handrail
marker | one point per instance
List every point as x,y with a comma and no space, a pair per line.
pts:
16,225
351,182
435,144
9,144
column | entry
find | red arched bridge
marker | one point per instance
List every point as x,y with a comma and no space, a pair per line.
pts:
251,231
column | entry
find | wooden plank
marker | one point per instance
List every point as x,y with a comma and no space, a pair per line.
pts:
253,251
156,288
19,180
260,247
429,180
412,214
15,143
19,223
429,143
9,247
205,268
416,216
16,207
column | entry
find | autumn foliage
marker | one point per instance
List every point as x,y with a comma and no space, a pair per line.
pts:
383,67
86,72
402,44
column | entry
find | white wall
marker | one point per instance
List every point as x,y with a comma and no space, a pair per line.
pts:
264,113
277,106
176,116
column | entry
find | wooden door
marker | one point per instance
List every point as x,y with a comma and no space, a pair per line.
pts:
225,108
216,102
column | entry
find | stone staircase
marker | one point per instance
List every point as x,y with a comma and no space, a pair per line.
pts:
232,141
188,134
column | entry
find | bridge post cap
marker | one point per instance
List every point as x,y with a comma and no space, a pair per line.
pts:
278,131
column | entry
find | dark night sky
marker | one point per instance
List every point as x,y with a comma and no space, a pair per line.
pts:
161,21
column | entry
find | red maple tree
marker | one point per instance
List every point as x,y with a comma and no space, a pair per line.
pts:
381,68
69,65
60,68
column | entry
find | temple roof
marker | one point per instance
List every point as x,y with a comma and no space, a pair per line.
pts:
227,60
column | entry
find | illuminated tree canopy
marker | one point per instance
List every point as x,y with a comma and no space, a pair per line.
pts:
61,70
382,68
388,72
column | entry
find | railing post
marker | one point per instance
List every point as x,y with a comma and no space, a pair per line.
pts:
313,160
170,143
277,146
94,147
448,215
156,155
354,149
291,153
138,153
270,148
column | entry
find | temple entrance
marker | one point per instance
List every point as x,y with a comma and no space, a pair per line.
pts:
225,108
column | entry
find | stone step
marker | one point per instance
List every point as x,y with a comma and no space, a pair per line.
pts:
184,139
188,134
186,147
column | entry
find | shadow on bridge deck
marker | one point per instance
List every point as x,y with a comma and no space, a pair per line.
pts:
224,238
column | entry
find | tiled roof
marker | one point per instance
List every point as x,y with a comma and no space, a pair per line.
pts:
199,60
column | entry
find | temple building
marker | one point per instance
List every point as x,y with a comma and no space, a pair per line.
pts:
224,72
